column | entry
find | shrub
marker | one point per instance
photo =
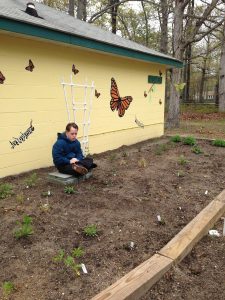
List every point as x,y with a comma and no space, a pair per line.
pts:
176,139
219,143
6,190
189,140
196,149
91,230
26,228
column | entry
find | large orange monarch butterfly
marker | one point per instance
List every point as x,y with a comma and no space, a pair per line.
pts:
119,103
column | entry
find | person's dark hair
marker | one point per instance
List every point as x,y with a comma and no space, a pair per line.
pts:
69,125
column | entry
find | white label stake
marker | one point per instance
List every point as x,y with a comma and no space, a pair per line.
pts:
84,268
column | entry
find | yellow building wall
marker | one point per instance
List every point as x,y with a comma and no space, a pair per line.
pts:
38,95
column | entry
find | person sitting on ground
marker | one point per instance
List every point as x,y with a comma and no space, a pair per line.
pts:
67,154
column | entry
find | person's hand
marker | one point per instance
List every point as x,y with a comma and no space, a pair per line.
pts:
73,160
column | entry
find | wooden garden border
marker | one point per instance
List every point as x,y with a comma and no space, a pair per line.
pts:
138,281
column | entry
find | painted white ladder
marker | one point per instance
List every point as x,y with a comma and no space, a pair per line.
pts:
73,104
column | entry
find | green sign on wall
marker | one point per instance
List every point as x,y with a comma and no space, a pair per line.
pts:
154,79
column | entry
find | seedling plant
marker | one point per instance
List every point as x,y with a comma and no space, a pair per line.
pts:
26,228
8,288
69,190
189,140
6,189
91,230
31,181
69,260
219,143
176,139
196,149
182,160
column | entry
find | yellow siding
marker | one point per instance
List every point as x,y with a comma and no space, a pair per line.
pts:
38,95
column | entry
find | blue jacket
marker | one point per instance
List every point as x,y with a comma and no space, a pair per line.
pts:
64,149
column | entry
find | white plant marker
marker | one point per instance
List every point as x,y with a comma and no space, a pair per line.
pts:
131,245
84,268
214,232
159,218
206,192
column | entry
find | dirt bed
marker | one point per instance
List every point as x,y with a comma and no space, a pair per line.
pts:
130,187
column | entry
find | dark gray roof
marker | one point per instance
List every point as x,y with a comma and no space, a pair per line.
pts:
60,21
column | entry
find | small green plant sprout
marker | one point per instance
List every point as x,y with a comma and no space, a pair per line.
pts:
219,143
69,190
8,288
26,228
142,163
112,157
31,181
46,194
196,149
182,160
6,190
78,252
20,198
45,207
189,140
180,173
160,220
91,230
69,262
124,154
60,256
160,149
176,139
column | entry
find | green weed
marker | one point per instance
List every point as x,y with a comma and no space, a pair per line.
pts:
160,149
7,288
182,160
69,190
31,181
26,228
196,149
20,198
60,256
78,252
112,157
176,139
69,262
219,143
46,194
189,140
6,189
91,230
142,163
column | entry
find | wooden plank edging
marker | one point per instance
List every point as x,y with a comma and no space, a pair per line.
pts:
138,281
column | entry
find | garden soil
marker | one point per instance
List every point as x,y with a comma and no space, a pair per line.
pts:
129,189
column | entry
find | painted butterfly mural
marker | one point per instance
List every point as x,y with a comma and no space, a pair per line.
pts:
97,94
2,78
118,103
74,70
30,67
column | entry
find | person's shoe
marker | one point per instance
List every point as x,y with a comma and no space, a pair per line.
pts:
80,169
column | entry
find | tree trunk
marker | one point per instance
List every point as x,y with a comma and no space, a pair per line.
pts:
114,10
222,75
82,10
71,8
202,82
174,100
164,26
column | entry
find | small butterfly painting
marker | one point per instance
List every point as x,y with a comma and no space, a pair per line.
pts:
30,67
97,94
2,78
74,70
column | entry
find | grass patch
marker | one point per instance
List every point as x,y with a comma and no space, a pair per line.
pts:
219,143
8,288
176,139
31,181
196,149
91,230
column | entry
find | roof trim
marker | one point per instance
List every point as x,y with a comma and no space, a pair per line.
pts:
49,34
